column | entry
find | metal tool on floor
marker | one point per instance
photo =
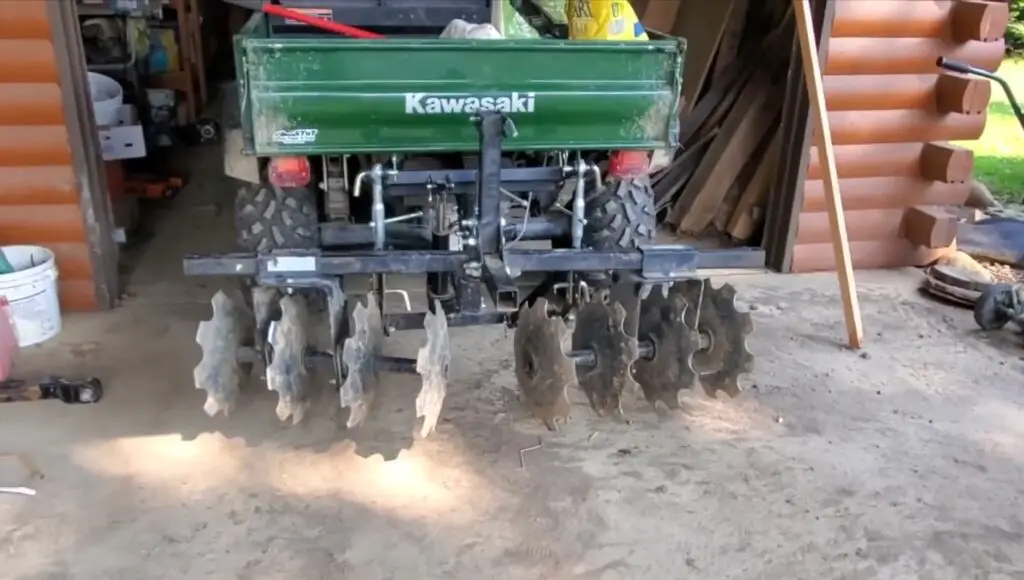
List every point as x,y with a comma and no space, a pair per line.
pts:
69,391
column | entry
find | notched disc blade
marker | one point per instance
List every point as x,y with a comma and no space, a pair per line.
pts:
671,368
219,372
432,362
599,329
713,313
265,304
543,371
360,357
287,373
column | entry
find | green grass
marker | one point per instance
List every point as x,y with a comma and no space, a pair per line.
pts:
999,154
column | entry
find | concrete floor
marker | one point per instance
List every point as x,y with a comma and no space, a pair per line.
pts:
902,462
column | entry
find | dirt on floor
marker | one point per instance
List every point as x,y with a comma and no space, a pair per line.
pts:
901,461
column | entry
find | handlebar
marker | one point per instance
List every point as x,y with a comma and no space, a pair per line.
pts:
964,68
959,67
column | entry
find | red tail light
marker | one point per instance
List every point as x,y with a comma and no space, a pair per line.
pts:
627,164
289,171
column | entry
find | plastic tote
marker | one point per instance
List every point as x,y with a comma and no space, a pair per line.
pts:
31,291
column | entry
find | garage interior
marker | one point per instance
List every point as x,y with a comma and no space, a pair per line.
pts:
173,59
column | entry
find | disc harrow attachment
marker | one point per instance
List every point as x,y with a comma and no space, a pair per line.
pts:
723,331
669,344
360,355
605,369
220,372
432,362
287,373
687,331
543,370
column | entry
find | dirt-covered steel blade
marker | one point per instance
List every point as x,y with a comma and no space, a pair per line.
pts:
670,369
432,362
599,329
714,314
265,303
543,371
287,373
360,357
219,372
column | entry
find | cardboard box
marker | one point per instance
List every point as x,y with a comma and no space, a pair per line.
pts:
126,140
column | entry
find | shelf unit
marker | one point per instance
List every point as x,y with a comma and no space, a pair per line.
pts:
191,80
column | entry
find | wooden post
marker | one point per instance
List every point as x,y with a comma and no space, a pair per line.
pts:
827,161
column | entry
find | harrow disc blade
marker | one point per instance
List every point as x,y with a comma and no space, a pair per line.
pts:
543,370
359,355
599,330
287,373
266,302
432,362
670,369
713,313
219,373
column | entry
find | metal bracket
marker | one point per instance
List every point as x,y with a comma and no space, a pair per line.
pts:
667,262
331,286
500,283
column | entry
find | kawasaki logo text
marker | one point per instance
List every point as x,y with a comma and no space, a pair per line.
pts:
424,104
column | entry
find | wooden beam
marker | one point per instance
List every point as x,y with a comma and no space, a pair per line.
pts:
976,20
701,23
658,15
837,222
946,163
875,127
742,224
886,193
748,177
929,226
742,131
732,35
945,93
894,56
782,207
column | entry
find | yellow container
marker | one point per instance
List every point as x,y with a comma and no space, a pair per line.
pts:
603,20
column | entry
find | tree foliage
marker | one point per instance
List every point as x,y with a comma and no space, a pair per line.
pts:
1015,31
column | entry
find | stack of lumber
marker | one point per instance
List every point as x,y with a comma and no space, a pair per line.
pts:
734,75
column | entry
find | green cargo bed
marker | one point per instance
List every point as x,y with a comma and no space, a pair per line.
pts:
329,95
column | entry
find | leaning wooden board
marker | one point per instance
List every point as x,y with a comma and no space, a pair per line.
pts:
827,161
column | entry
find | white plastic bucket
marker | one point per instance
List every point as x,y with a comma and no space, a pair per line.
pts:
31,291
107,97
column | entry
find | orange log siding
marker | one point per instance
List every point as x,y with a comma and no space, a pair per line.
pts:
39,202
887,101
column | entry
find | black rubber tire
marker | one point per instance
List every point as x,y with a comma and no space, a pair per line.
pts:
620,215
269,218
989,313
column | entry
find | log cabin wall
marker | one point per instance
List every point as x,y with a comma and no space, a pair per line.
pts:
39,192
893,113
52,184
